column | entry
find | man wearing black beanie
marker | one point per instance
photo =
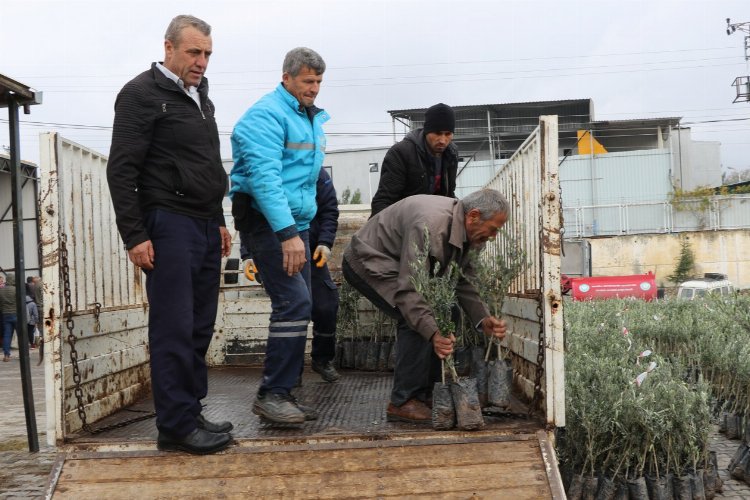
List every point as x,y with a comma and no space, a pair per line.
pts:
424,162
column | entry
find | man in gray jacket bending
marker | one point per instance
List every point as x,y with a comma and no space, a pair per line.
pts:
378,261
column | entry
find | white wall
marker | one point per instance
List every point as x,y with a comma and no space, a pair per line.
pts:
694,163
351,169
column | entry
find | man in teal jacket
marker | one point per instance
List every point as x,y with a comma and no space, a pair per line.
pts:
278,147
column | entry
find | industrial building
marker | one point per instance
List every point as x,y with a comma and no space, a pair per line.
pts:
633,160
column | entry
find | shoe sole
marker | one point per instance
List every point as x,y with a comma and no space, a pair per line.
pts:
264,422
274,419
192,451
396,418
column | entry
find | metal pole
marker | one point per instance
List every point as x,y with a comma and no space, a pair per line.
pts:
489,138
18,249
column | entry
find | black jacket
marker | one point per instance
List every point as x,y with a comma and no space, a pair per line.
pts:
408,170
326,221
164,154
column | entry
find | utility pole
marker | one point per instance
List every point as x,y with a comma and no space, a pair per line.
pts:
742,83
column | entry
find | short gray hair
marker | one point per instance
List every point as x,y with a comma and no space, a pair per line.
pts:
488,201
302,56
179,23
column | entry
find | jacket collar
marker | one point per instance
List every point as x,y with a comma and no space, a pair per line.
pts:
417,136
293,103
164,82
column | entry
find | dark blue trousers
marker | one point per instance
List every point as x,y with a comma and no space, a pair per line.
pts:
417,366
291,307
183,294
325,308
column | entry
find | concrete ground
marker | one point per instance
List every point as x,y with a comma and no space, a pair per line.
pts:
24,475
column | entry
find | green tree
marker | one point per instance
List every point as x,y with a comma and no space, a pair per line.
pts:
685,266
345,196
356,198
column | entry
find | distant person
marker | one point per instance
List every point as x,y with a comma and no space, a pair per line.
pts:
378,262
278,148
30,288
167,184
39,295
424,162
32,319
8,311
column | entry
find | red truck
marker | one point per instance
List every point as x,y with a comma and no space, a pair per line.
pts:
640,286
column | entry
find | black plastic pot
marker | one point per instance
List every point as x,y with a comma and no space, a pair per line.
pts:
696,485
733,426
738,471
575,490
499,383
606,489
712,483
637,488
683,487
590,485
371,356
466,403
660,488
347,354
443,413
383,355
479,373
360,354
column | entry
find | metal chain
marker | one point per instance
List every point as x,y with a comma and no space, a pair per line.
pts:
540,317
97,312
70,326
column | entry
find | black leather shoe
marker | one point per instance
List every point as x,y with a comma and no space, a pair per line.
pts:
198,442
215,427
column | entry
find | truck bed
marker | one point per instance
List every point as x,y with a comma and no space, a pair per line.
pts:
350,451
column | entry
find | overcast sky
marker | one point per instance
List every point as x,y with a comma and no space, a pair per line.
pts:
635,59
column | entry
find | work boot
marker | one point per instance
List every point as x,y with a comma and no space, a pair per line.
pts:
325,370
413,411
198,442
278,408
215,427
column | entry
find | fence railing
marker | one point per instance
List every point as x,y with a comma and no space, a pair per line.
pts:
701,214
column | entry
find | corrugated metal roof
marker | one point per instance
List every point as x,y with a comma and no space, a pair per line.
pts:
406,113
669,121
23,93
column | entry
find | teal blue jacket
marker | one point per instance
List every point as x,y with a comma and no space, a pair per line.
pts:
278,151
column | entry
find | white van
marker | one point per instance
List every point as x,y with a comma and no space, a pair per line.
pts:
711,283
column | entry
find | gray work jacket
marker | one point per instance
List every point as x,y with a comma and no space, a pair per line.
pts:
381,253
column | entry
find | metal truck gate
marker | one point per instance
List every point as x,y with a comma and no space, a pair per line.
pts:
105,292
533,309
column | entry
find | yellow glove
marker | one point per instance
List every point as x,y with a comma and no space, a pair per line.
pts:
250,269
321,255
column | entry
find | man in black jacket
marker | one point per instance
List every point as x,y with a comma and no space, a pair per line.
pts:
424,162
167,183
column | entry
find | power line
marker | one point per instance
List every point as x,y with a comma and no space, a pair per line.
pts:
420,64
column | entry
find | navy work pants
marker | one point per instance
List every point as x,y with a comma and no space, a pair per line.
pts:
417,366
183,294
291,307
325,308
